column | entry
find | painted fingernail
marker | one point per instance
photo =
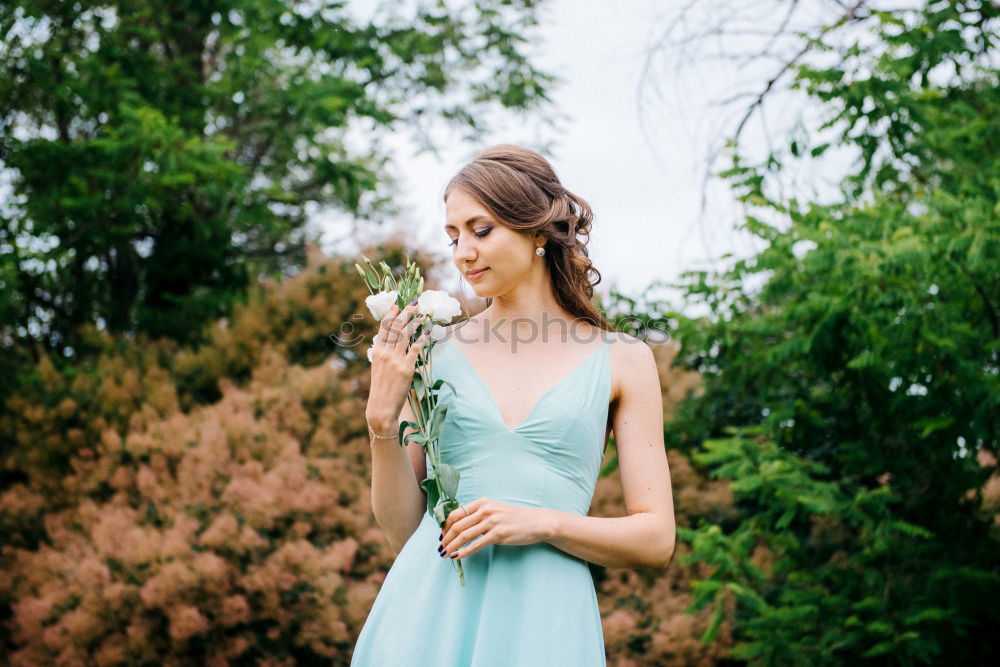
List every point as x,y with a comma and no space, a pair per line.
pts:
414,302
454,555
441,536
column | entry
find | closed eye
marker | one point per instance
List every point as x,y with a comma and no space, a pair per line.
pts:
482,233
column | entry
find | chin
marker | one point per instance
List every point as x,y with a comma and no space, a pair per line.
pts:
483,294
479,289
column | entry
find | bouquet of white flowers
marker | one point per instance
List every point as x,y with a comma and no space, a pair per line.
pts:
439,308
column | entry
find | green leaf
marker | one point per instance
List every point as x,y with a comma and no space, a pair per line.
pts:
443,508
882,648
932,424
449,476
416,438
440,382
437,419
715,622
405,425
433,495
747,596
373,280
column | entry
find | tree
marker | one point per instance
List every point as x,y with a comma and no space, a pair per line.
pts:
161,154
853,399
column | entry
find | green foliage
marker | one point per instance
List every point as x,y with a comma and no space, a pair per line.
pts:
828,593
868,359
163,154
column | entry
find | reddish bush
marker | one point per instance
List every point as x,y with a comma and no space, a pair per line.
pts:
225,535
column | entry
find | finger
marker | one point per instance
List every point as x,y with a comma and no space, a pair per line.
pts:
460,511
454,523
463,531
479,536
385,326
475,504
393,324
413,325
461,517
420,343
402,328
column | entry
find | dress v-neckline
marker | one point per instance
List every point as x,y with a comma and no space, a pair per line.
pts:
541,399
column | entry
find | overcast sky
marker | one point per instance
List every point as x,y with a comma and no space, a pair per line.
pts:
634,147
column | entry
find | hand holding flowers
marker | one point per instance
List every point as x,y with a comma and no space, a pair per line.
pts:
401,371
485,521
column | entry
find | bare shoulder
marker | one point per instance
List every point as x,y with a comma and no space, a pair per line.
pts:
630,358
629,348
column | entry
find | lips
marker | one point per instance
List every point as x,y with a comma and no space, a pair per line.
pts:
472,275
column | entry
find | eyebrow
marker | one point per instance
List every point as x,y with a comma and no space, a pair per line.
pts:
469,221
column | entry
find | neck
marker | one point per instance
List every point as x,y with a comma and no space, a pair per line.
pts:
527,321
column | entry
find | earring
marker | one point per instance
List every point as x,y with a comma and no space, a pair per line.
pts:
540,251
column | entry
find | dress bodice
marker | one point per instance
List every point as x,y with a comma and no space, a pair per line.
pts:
551,459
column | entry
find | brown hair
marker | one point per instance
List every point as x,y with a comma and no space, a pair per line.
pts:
521,190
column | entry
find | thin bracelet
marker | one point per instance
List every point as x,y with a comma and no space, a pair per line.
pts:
381,437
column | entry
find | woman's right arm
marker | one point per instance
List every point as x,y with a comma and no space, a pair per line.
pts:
398,501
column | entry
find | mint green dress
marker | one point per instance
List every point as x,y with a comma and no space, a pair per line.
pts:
521,606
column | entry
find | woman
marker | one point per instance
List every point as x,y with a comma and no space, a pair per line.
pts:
540,380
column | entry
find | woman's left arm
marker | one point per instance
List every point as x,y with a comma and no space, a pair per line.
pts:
644,538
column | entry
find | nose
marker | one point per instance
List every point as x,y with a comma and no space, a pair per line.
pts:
465,253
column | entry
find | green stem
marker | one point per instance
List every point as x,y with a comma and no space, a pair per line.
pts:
426,373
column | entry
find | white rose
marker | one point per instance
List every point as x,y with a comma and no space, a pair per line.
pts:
438,332
380,303
439,306
372,348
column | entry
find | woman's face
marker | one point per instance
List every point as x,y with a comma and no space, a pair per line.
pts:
479,241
